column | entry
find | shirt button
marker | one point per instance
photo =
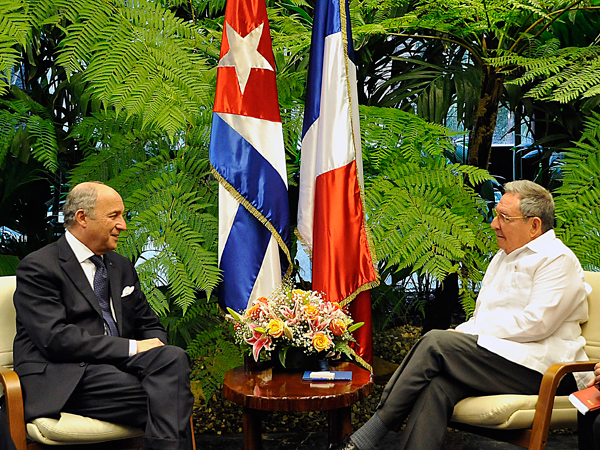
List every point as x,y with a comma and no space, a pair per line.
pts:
82,364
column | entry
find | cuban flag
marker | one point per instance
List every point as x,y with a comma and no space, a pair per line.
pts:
248,159
331,221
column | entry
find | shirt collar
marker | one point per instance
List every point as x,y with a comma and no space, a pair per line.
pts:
79,248
537,245
541,242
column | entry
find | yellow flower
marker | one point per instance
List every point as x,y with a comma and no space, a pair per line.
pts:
311,312
276,327
321,342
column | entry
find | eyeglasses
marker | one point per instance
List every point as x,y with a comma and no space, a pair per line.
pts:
507,219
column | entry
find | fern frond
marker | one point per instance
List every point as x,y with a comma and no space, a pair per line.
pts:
578,199
422,214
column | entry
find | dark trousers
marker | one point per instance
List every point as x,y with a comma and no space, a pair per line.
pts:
443,368
150,390
6,442
588,427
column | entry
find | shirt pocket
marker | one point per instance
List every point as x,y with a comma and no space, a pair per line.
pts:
520,285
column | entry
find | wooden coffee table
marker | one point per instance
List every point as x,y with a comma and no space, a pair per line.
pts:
266,390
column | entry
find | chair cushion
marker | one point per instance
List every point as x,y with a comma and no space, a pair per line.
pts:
590,329
7,320
74,429
511,412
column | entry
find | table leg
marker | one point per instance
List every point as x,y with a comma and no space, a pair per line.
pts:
340,424
252,429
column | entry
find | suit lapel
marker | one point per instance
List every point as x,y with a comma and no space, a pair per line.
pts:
115,288
73,269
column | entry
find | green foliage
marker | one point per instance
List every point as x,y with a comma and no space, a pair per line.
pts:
215,353
578,200
14,30
137,57
564,74
27,130
421,209
8,265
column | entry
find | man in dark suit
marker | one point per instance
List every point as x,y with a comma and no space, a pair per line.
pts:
87,341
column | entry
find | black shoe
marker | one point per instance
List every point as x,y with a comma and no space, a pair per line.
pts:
346,444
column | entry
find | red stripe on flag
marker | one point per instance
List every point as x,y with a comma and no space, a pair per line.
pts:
360,309
341,258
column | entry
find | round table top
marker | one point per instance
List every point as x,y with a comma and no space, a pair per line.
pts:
280,391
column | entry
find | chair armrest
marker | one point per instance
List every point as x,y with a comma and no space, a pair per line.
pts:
14,406
545,403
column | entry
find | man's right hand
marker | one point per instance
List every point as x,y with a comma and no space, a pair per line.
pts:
147,344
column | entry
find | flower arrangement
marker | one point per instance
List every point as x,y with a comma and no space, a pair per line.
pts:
294,318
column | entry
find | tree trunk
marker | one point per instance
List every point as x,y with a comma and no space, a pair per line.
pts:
438,311
480,137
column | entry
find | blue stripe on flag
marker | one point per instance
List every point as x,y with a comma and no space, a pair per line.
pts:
242,259
262,186
327,21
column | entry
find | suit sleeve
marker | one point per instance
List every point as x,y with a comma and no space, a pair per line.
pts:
61,333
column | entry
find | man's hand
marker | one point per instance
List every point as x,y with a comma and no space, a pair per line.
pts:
596,379
147,344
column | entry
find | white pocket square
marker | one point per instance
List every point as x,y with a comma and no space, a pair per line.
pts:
127,290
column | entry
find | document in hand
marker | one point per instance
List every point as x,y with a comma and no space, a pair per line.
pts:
338,375
587,399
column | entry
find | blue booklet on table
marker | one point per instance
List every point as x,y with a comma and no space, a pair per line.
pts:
331,375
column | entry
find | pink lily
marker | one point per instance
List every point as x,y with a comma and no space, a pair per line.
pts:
258,341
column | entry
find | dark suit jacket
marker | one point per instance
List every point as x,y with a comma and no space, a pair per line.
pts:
60,328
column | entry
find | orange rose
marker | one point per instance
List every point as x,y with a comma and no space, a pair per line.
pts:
321,342
337,327
311,311
276,327
253,312
262,300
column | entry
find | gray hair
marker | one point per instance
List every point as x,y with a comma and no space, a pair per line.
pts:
536,201
83,196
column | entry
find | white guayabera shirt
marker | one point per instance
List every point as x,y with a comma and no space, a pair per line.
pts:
531,305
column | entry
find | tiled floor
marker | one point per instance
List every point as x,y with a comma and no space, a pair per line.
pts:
318,441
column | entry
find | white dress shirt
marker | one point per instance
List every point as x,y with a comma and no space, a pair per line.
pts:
531,305
83,254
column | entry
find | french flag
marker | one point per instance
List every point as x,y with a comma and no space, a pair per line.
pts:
331,220
247,157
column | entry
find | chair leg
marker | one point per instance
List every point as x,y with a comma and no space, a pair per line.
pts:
193,436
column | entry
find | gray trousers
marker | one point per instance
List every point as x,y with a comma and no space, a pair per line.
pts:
441,369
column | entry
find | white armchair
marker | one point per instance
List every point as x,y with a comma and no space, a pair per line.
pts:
70,429
525,419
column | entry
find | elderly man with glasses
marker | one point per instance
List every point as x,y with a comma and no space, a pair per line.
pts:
527,317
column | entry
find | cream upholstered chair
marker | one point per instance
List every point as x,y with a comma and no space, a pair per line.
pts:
525,419
70,429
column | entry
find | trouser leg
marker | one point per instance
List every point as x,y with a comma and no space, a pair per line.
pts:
434,406
150,390
107,393
465,369
588,430
165,376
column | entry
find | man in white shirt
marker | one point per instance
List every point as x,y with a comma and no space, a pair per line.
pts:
527,317
87,341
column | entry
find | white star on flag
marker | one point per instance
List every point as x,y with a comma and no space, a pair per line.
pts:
243,54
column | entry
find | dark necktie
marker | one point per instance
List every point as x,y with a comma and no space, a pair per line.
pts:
102,294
